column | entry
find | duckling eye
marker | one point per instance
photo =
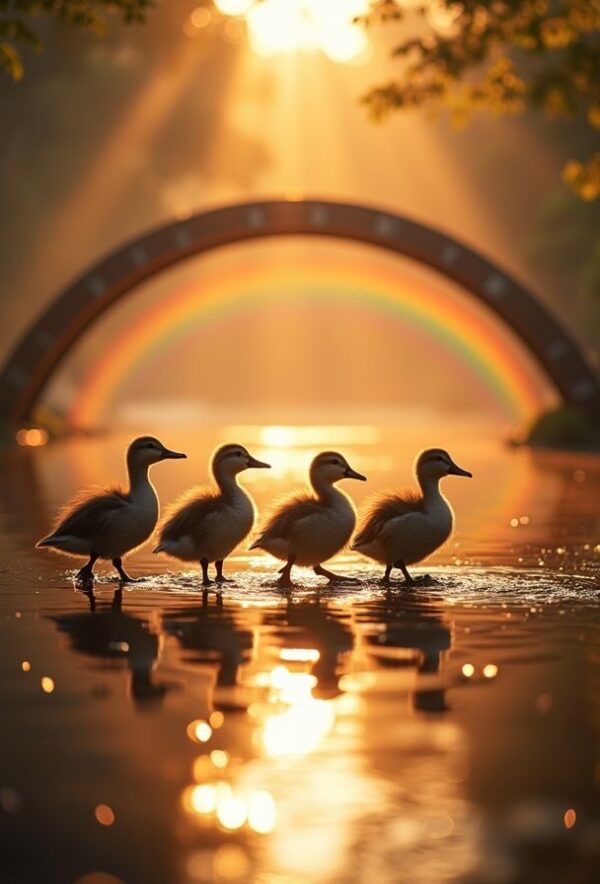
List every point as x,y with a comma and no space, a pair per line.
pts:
335,461
239,453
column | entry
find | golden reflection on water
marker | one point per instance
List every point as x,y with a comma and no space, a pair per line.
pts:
286,722
305,784
291,721
304,738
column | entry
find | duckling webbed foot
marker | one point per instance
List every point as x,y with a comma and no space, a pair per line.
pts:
86,574
409,580
124,577
334,578
220,578
385,580
285,580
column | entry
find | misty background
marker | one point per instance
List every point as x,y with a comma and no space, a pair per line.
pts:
106,138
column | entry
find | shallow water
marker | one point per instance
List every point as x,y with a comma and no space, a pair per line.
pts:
337,734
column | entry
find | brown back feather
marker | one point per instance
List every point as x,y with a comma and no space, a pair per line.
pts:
286,513
86,512
186,515
384,508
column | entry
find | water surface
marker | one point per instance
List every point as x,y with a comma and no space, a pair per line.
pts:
152,734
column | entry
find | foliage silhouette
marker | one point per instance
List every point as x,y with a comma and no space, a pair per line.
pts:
20,22
502,57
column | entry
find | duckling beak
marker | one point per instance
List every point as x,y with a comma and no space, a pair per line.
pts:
167,454
458,471
352,474
258,464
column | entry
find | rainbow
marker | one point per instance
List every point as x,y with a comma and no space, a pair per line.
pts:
470,334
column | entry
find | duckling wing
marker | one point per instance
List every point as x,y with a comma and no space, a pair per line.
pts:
192,519
382,511
289,518
85,515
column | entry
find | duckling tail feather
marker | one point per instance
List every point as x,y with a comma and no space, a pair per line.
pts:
47,541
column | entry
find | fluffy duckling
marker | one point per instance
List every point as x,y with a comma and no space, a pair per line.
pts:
206,525
309,529
112,523
404,528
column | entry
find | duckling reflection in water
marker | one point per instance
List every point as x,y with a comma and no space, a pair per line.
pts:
403,528
211,635
114,522
307,529
316,625
113,635
412,624
206,525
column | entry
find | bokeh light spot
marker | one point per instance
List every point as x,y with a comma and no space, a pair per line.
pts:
104,814
216,720
199,731
33,437
262,812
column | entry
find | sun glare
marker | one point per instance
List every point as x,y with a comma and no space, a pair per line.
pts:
292,722
280,26
311,436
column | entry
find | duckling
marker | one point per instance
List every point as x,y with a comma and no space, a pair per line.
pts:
309,529
206,525
404,528
112,523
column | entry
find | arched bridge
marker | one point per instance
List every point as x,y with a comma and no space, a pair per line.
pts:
38,354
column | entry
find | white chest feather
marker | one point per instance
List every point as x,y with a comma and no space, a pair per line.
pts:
242,512
145,503
440,516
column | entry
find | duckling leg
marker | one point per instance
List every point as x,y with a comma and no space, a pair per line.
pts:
220,578
206,581
285,579
385,580
124,577
87,572
410,581
334,578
